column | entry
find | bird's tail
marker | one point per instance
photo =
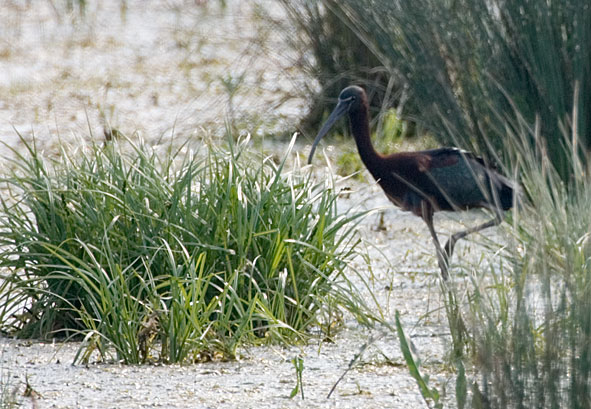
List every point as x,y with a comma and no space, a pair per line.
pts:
507,190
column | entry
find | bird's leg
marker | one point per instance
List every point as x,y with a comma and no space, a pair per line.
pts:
449,246
454,313
427,215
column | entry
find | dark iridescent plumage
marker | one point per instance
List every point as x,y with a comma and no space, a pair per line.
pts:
425,181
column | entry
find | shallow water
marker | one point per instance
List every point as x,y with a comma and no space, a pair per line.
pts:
156,70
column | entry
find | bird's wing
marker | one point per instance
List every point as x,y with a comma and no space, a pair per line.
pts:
459,176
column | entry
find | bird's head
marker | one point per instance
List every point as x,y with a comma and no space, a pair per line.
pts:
350,99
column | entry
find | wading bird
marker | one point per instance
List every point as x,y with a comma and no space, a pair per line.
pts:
424,182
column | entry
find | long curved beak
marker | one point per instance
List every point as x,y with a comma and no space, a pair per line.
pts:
340,110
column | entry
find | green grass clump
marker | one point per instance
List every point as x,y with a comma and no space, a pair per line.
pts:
190,254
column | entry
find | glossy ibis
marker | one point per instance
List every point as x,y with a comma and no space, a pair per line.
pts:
427,181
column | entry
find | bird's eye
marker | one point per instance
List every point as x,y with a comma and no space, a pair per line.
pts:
348,100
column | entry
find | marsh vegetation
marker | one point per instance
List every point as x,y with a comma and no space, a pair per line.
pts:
169,245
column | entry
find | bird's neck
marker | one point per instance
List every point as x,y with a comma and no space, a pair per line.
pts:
360,128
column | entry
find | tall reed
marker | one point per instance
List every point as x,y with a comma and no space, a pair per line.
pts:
333,57
530,315
470,65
